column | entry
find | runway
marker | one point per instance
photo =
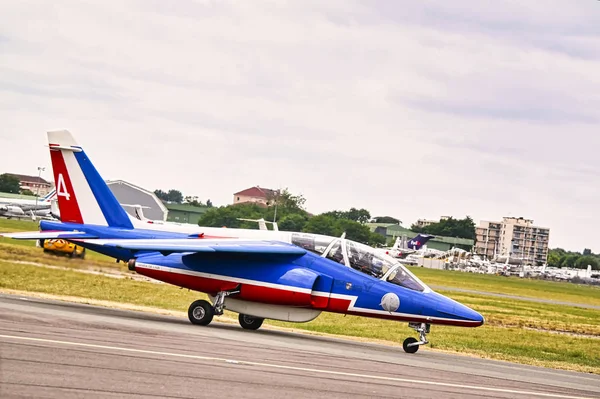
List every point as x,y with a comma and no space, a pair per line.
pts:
55,349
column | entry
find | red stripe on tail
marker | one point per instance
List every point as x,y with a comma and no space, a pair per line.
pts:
67,201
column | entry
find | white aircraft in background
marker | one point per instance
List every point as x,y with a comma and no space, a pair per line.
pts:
15,207
402,247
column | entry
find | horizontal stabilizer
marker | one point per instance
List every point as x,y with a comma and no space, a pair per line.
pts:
39,235
228,245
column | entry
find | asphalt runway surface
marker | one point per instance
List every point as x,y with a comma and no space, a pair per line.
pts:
53,349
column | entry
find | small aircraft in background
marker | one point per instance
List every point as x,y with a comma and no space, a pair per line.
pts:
402,247
16,207
259,274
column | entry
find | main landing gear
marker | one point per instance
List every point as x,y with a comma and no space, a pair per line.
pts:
201,312
410,344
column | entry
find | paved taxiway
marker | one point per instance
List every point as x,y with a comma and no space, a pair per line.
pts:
59,349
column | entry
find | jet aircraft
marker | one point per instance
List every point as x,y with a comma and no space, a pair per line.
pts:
402,248
11,207
258,274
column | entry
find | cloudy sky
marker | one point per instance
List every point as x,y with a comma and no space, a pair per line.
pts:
410,109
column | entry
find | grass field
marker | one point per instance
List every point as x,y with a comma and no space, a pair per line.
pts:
560,291
563,337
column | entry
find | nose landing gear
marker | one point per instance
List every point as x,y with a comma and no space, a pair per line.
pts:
410,344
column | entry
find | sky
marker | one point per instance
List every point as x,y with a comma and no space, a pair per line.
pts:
408,109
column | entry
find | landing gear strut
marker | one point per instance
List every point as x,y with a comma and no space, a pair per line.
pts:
201,312
410,344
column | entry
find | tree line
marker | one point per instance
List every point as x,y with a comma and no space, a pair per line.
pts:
460,228
176,197
559,257
289,212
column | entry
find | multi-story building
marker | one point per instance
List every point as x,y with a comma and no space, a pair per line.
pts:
516,238
487,239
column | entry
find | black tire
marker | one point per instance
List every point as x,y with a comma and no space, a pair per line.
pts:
200,312
250,322
410,349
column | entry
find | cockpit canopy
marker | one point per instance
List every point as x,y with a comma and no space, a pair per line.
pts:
360,257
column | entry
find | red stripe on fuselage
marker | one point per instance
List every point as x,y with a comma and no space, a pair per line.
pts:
67,200
275,296
248,292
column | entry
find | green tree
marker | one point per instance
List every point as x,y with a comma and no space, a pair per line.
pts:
175,196
171,196
227,216
386,219
189,200
461,228
587,252
321,224
9,184
209,203
27,192
354,230
376,239
357,215
293,222
286,203
163,196
583,262
554,258
569,260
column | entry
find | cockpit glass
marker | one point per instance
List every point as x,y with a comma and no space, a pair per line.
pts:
402,277
312,242
364,258
360,257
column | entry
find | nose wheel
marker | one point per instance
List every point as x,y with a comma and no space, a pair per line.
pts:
411,344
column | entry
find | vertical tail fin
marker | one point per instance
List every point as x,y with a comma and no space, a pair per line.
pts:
49,196
83,196
420,240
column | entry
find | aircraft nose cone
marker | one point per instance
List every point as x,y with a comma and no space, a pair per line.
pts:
466,313
450,308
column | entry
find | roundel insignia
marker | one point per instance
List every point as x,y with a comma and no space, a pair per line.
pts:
390,302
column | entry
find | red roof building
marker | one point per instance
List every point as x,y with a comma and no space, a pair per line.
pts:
33,183
258,195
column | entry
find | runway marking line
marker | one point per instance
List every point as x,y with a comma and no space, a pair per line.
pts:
269,365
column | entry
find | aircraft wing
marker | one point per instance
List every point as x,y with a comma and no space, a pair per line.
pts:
227,245
38,235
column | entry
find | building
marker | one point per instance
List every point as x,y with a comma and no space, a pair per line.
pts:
257,195
130,195
34,184
441,243
487,239
513,238
424,222
185,213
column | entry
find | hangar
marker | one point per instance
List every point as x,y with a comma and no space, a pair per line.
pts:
129,194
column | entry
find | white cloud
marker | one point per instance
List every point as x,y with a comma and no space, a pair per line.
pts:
414,109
